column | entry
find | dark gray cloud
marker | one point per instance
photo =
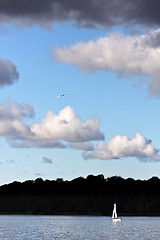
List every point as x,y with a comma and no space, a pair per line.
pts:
39,174
23,143
8,72
86,146
85,13
47,160
10,161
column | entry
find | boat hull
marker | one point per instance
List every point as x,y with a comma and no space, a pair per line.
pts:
116,219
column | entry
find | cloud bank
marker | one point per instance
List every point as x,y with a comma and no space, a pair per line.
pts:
84,13
133,55
66,129
8,72
54,131
122,146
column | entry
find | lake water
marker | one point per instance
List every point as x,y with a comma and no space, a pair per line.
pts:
78,228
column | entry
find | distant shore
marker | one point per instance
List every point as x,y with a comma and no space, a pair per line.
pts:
91,196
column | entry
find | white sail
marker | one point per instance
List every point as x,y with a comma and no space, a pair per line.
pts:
114,214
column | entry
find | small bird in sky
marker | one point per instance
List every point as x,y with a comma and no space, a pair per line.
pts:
62,95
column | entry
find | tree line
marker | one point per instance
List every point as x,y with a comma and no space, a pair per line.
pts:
93,195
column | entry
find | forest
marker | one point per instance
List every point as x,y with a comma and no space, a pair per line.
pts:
93,195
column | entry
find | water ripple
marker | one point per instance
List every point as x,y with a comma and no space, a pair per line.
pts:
78,228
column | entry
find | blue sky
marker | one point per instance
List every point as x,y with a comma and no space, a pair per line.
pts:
109,122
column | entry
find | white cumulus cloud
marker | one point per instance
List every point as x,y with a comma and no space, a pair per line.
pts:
11,115
12,110
128,55
54,131
67,126
122,146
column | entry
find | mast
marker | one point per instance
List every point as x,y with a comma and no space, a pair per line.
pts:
114,214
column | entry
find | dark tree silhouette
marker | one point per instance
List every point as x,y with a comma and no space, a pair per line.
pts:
93,195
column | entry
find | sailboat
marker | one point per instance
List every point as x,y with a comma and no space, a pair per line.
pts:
114,215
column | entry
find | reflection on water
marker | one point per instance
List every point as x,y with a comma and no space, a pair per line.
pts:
78,228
